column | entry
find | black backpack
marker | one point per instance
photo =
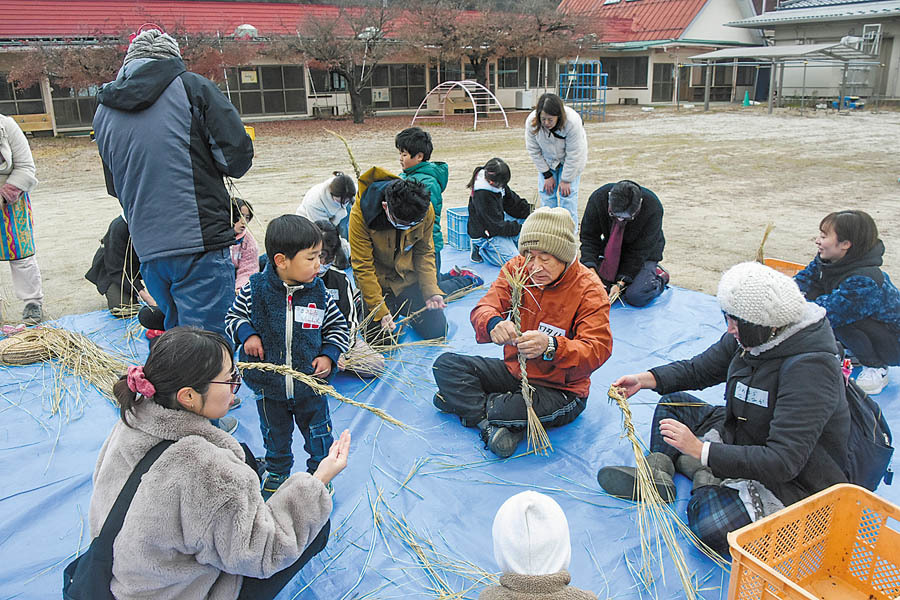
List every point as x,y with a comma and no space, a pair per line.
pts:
88,576
870,441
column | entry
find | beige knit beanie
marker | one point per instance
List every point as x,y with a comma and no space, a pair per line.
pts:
549,230
760,295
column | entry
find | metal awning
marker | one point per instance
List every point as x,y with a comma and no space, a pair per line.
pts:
830,51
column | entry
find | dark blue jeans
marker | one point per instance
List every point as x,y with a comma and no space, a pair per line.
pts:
194,289
646,286
276,420
872,342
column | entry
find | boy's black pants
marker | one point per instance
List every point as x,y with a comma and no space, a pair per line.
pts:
477,388
872,342
276,420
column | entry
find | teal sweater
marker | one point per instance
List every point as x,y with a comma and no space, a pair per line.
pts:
434,175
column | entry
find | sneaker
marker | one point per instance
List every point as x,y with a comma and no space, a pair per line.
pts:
475,257
872,380
271,483
32,315
500,440
457,272
663,275
228,424
235,403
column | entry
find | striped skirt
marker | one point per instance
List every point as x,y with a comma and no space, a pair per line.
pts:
16,234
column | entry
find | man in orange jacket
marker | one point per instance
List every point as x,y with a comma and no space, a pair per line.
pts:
565,337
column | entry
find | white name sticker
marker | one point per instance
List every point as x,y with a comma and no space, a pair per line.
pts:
309,316
551,330
333,293
751,395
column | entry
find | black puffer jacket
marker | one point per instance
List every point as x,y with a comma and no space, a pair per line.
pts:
787,421
643,239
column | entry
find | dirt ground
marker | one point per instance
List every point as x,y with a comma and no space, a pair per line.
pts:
721,176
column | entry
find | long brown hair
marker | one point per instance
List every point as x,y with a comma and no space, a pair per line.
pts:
552,105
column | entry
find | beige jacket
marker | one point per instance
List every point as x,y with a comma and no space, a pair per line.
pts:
531,587
16,162
197,523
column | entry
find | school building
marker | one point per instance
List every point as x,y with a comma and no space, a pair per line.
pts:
643,46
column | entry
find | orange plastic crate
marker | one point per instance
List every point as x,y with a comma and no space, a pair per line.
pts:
784,266
837,544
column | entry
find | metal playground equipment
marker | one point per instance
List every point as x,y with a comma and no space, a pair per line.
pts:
584,85
485,106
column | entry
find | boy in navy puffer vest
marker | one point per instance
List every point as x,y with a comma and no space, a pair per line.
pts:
284,316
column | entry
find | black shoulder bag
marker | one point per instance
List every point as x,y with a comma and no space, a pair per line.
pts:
88,576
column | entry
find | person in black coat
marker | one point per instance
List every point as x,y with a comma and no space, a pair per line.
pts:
115,269
782,434
622,239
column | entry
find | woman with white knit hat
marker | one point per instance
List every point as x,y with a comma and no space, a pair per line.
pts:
782,434
565,337
532,549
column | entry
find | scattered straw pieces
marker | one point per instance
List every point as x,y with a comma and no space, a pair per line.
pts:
323,389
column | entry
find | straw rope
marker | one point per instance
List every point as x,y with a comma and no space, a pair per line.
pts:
760,255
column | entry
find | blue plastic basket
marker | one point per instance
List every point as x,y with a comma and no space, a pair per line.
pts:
457,220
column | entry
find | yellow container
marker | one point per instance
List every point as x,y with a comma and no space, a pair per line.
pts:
838,544
251,132
784,266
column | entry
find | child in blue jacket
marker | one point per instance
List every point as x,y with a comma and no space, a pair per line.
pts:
284,316
862,304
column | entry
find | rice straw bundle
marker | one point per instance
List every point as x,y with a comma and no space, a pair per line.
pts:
321,388
451,297
760,255
349,151
620,287
125,311
78,356
537,435
653,511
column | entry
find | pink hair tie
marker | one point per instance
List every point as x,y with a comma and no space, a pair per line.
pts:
139,383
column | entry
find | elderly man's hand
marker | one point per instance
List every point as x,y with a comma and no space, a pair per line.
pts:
532,344
504,333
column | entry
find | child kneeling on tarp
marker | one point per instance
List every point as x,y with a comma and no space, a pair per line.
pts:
532,548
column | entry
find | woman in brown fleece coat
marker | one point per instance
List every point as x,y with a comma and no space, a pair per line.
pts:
532,548
198,527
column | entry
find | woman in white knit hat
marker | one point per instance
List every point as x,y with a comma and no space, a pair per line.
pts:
565,337
532,549
782,434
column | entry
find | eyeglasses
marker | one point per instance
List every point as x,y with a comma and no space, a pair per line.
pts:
235,381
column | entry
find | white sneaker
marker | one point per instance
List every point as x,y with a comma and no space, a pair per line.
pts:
872,380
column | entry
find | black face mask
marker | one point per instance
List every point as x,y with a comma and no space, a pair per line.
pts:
751,335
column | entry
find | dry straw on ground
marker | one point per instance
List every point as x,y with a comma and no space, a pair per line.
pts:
537,435
654,513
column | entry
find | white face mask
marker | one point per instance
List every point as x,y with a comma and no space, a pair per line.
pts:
323,268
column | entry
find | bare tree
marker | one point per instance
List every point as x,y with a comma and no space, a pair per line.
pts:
351,44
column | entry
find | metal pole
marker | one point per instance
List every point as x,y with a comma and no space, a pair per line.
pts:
771,86
781,86
843,87
803,93
707,85
677,78
734,69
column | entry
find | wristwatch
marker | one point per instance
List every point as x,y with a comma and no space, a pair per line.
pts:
550,352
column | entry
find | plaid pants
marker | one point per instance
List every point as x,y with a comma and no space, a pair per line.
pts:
712,512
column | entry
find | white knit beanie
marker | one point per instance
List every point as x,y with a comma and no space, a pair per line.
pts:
152,43
760,295
531,535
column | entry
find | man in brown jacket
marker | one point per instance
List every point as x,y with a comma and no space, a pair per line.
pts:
565,337
392,254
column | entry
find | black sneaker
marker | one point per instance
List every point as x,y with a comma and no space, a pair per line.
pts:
500,440
32,315
476,255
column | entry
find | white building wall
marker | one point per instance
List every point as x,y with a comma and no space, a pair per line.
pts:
709,24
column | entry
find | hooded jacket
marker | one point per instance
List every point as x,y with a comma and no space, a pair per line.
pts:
533,587
487,209
197,523
566,146
852,290
642,241
167,137
318,205
16,163
574,309
787,420
434,175
386,259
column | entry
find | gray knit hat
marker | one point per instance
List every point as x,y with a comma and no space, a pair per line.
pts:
549,230
152,43
759,295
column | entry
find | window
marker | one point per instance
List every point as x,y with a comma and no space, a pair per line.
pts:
746,75
269,89
626,71
395,86
511,72
73,107
543,72
19,102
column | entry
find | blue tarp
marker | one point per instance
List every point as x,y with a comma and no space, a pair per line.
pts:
452,489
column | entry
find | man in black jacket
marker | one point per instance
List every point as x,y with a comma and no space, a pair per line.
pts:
782,434
622,239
